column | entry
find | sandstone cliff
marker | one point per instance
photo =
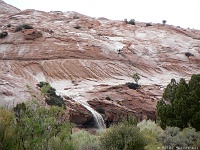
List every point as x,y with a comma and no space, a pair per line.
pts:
80,55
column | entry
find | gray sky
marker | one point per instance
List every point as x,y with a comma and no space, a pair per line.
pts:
184,13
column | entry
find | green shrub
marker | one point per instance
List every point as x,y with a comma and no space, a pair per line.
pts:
56,101
188,54
197,143
6,129
23,26
131,120
126,21
83,140
151,132
124,137
132,22
33,127
136,77
132,85
150,125
108,98
52,98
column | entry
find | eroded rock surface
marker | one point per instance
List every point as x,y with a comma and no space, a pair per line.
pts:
77,53
120,102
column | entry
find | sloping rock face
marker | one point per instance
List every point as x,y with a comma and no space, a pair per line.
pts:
7,9
79,114
120,103
77,54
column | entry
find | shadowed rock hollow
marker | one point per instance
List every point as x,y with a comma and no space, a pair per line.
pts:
79,56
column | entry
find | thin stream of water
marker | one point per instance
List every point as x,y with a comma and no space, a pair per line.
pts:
97,117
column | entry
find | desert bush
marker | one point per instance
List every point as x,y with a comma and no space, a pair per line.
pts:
126,21
41,84
56,101
23,26
151,131
173,137
122,136
131,120
50,93
148,24
197,143
3,34
136,77
6,129
77,27
164,22
132,85
149,125
188,54
83,140
132,22
108,98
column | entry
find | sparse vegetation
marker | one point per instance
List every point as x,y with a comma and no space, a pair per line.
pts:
132,85
75,17
132,22
23,26
131,120
164,22
51,97
126,21
136,77
108,98
148,24
173,137
77,27
188,54
3,34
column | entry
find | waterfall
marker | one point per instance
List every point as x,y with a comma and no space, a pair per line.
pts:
75,93
97,117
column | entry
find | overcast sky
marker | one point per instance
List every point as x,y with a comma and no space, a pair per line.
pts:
184,13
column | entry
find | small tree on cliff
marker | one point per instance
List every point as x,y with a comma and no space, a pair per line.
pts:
180,105
136,77
164,22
